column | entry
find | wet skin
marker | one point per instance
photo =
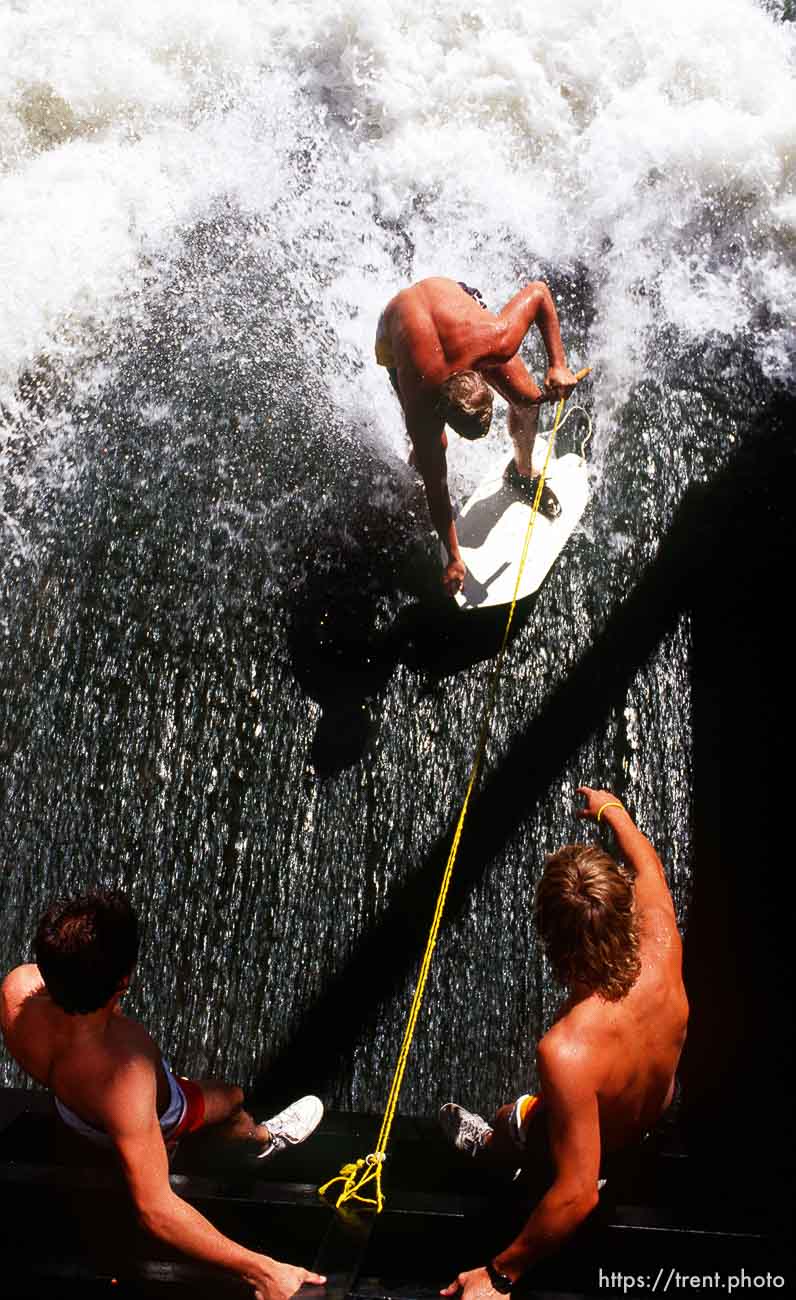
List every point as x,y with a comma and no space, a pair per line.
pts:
108,1069
607,1069
435,330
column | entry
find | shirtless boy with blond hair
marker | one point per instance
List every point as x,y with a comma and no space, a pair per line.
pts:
607,1066
444,352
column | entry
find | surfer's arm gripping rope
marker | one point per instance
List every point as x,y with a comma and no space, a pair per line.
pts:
531,305
443,355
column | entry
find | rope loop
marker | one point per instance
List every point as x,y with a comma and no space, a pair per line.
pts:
355,1177
581,410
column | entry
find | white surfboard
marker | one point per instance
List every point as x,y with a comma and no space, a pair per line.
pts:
492,525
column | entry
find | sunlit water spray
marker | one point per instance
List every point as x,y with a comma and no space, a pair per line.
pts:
213,693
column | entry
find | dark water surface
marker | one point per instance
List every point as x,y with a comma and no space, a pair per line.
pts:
230,687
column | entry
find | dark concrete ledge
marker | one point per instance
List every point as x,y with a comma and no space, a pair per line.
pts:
66,1227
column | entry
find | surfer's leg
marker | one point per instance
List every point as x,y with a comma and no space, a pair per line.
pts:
523,427
523,472
514,382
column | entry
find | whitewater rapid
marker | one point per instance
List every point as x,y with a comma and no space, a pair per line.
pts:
385,142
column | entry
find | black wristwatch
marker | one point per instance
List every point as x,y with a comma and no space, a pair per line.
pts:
499,1281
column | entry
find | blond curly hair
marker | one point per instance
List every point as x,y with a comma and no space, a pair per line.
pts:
465,403
586,916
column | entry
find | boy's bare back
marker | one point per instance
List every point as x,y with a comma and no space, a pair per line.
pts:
92,1074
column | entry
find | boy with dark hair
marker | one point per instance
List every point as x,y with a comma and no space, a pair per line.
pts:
607,1066
62,1022
85,948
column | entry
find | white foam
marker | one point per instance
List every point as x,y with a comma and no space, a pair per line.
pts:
654,146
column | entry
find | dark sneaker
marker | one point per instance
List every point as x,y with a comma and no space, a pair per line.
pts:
525,486
292,1125
469,1133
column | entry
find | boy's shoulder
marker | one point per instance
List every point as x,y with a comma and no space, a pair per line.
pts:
18,985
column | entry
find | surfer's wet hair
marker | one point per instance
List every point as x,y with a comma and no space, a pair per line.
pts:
586,916
465,403
84,949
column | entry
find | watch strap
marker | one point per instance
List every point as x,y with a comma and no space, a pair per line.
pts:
500,1281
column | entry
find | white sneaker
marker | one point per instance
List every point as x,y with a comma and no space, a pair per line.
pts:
292,1125
469,1133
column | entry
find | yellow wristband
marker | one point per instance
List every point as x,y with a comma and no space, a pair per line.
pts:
609,803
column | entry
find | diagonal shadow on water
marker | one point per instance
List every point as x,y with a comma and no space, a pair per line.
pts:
690,569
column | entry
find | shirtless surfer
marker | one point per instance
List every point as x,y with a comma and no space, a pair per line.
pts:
607,1066
444,352
62,1022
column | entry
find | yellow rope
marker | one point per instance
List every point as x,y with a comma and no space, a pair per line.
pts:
358,1175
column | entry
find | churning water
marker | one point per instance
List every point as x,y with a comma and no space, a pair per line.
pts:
227,684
